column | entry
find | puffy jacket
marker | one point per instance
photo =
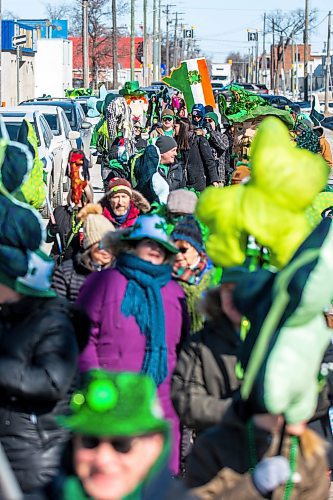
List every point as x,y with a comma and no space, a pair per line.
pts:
218,466
69,277
204,379
201,168
38,359
117,343
64,218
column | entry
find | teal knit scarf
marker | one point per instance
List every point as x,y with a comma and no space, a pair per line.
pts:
143,300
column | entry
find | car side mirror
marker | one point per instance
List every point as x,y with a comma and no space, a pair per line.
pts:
73,135
85,125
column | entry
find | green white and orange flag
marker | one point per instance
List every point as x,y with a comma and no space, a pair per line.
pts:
192,79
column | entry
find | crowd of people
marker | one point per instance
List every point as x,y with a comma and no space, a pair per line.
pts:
176,342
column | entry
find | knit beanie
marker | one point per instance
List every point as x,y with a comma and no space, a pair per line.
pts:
213,116
119,185
189,230
95,225
168,112
165,143
181,201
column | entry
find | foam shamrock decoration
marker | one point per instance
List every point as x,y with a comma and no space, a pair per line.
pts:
271,206
21,227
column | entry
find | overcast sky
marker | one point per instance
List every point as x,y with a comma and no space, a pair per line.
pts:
220,26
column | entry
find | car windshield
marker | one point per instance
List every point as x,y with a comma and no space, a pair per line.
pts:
13,129
53,122
71,116
84,107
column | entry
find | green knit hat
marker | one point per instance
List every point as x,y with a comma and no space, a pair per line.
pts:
115,404
213,116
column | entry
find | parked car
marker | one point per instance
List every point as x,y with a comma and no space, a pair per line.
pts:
281,102
63,134
49,149
328,122
75,116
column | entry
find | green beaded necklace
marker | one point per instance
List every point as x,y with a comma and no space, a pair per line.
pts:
253,458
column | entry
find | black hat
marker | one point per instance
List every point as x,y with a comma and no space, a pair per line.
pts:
188,229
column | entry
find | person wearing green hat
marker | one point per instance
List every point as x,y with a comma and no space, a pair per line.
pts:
137,312
121,441
38,345
219,143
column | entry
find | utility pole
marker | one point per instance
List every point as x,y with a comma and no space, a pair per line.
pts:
159,49
145,45
154,41
132,40
264,59
168,22
328,63
306,52
257,57
273,82
85,43
175,43
114,45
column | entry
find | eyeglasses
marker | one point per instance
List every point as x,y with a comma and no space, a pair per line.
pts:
120,445
167,119
209,120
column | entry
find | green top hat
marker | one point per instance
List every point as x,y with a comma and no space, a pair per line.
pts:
153,227
131,88
115,404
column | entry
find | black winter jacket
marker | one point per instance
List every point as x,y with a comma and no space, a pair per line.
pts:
204,379
38,367
201,169
68,279
63,216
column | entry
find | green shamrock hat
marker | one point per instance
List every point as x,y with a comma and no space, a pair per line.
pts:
154,228
115,404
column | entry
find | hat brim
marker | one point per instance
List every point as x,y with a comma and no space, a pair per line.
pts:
168,246
102,425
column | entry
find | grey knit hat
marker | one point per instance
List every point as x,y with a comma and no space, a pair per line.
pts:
165,143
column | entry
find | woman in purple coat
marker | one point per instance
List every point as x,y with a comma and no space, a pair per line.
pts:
138,314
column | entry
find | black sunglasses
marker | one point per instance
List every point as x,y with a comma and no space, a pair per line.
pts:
120,445
167,119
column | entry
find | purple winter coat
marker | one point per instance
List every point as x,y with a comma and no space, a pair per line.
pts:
116,342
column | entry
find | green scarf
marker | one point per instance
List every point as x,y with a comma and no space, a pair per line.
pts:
193,294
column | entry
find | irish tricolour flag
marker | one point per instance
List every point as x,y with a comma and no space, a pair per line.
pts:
192,79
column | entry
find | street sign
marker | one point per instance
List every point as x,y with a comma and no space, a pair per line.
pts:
252,36
188,33
19,40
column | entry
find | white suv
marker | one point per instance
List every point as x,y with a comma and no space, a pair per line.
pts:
48,149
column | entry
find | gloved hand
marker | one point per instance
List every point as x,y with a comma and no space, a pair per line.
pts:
270,473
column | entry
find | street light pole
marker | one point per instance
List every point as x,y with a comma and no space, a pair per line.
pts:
328,63
85,41
132,40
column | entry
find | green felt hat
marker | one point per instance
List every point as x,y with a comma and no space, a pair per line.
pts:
131,88
115,404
